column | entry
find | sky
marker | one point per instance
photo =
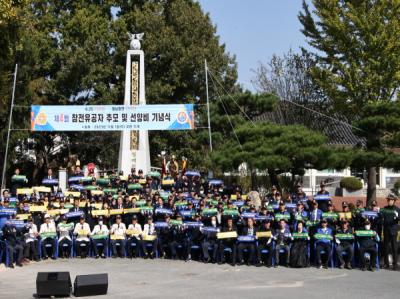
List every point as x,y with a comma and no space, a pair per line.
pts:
254,30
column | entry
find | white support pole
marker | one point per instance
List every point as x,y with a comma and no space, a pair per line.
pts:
3,182
208,105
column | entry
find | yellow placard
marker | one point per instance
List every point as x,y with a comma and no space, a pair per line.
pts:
114,237
56,204
42,189
22,216
233,196
263,234
142,181
97,205
227,235
53,212
123,177
97,192
82,204
100,212
244,196
73,193
116,211
346,215
131,232
167,182
23,191
37,209
64,211
149,237
131,210
82,232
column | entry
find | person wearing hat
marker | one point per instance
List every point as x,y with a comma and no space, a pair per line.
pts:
64,242
323,244
229,243
368,244
195,237
178,240
322,190
14,243
118,229
149,229
210,242
345,214
134,243
271,196
250,231
265,244
345,245
48,234
99,236
299,248
390,221
299,195
282,213
358,219
82,241
282,237
31,240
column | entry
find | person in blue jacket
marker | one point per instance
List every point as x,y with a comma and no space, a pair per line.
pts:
322,244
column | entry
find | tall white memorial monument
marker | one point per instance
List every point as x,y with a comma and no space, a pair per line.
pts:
134,150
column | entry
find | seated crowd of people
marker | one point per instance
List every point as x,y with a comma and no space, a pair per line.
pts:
144,216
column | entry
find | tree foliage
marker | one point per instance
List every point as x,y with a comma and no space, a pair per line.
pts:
358,50
73,52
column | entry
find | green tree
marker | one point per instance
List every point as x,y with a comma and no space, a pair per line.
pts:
73,52
279,149
358,50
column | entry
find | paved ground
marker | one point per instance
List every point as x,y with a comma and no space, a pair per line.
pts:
177,279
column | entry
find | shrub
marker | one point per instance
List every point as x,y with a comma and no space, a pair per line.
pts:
351,184
397,184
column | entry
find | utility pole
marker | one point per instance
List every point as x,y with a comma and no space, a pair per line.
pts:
208,104
3,181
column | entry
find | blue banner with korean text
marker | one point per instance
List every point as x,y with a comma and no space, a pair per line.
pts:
112,117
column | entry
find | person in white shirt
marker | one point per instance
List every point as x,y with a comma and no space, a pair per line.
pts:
118,229
82,232
48,235
31,241
100,236
134,241
149,230
64,241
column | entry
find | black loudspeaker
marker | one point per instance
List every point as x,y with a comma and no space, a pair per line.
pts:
90,285
53,284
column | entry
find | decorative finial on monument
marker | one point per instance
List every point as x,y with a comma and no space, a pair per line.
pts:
135,40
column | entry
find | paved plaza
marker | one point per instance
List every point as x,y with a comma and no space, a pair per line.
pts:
177,279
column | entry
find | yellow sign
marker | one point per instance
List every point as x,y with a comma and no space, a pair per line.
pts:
23,191
22,216
131,232
100,212
73,193
132,211
116,211
37,209
114,237
263,234
97,205
149,237
82,204
227,235
53,212
42,189
97,192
